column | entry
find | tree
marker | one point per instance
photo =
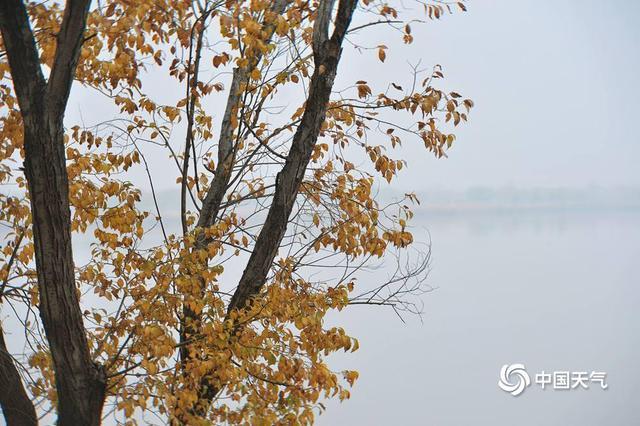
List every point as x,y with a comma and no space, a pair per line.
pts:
155,321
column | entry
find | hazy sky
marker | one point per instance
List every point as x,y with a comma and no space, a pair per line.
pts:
555,87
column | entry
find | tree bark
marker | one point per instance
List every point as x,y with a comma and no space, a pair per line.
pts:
16,406
80,383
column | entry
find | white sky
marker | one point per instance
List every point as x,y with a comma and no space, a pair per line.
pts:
556,93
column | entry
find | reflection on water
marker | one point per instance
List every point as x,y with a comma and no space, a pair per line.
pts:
555,289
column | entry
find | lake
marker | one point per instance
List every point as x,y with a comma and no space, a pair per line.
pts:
554,289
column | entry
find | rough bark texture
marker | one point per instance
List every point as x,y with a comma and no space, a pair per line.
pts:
80,383
16,406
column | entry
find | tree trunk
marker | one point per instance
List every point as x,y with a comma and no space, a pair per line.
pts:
16,406
80,383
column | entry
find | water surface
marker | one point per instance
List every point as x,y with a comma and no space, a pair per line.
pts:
555,289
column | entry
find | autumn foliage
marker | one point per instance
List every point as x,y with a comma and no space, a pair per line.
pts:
219,315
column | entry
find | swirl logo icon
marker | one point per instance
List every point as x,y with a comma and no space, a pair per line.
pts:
514,379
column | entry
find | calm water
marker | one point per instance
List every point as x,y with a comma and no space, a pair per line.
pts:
556,290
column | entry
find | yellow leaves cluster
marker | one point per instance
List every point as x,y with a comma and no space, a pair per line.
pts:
44,385
221,59
363,89
285,368
387,167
